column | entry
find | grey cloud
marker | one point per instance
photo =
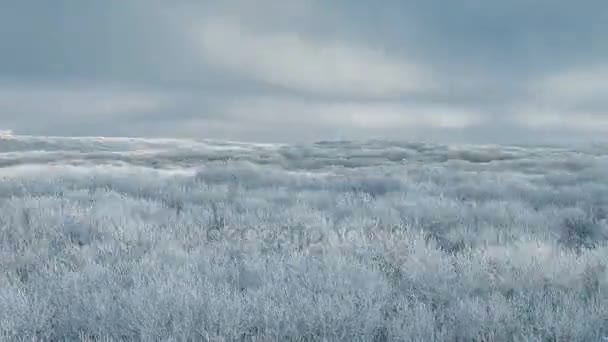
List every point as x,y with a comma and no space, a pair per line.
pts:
254,71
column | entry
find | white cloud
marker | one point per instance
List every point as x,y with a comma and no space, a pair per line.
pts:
371,116
75,101
76,109
6,134
558,101
573,86
552,118
294,61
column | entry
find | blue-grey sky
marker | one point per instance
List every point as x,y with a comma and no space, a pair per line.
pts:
290,71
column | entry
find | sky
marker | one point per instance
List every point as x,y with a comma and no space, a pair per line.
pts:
471,71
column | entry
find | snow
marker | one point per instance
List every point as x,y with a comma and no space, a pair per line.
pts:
168,239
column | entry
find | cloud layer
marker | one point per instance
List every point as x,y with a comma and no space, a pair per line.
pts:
306,70
294,62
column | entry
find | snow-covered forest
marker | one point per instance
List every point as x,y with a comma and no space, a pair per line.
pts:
182,240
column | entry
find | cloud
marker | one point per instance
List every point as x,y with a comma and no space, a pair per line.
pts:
302,70
25,107
576,121
573,86
573,99
294,61
360,115
77,102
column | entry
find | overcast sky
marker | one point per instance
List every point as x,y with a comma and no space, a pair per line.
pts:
295,71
